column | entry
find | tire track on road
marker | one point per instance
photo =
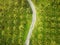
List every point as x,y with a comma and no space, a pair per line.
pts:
33,22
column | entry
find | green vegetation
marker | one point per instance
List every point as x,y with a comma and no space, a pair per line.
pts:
47,29
16,16
15,19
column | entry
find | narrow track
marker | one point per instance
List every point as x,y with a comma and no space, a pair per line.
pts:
33,22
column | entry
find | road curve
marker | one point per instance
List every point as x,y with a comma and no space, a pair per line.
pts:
33,22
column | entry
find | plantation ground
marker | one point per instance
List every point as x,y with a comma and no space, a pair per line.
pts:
16,16
15,19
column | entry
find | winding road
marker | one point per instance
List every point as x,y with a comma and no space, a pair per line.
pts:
33,22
